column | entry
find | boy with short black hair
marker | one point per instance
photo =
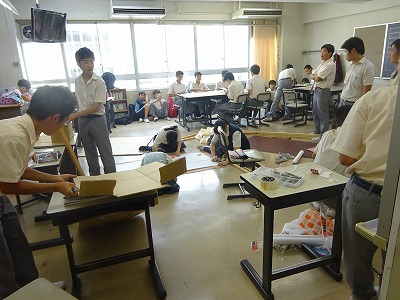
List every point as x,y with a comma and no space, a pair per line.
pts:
158,106
359,74
47,113
169,140
255,85
323,76
24,87
271,86
142,107
90,90
222,84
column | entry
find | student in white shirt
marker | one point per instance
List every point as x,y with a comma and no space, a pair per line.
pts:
177,88
234,90
324,77
359,74
363,146
196,87
394,59
286,80
255,85
222,84
158,106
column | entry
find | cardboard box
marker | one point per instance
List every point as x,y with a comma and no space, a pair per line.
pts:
146,178
68,130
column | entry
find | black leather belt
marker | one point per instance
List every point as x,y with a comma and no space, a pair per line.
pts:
370,187
92,116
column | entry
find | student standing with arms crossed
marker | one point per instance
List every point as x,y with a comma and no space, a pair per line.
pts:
90,90
49,110
362,144
359,74
323,77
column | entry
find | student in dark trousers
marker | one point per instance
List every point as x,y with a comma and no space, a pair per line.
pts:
363,146
90,90
236,139
49,110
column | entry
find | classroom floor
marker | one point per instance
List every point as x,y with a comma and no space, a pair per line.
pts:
199,239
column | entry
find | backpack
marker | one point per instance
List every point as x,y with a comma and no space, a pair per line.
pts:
339,72
172,109
132,112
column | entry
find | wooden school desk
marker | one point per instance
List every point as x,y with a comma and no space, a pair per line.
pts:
195,98
313,188
63,215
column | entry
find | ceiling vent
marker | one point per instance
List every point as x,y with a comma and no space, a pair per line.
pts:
256,13
134,12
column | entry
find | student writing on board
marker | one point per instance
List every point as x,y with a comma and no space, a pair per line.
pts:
359,74
394,59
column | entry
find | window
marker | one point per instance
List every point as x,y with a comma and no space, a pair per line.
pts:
210,47
44,62
159,50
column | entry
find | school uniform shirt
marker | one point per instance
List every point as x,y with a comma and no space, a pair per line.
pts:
358,75
326,70
94,91
18,138
221,85
176,88
287,73
201,85
394,78
236,138
162,136
234,90
257,85
365,134
327,157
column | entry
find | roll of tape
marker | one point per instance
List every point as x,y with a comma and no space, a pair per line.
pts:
268,183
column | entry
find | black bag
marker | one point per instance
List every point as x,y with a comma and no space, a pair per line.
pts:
123,121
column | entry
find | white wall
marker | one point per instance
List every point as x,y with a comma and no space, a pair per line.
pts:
9,62
334,23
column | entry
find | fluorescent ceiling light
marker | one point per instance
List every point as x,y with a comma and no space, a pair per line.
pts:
7,4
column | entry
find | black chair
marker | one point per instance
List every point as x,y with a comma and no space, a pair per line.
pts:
253,157
263,100
296,107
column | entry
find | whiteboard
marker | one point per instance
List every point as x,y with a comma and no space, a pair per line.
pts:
377,40
374,39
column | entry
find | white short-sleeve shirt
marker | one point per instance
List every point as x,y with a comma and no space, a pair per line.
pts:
326,70
162,135
18,138
236,138
287,73
327,157
221,85
200,85
176,88
358,75
365,134
234,90
257,85
94,91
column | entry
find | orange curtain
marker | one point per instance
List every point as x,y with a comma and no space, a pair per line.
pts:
265,50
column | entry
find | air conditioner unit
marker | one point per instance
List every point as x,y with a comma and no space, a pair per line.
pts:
135,12
256,13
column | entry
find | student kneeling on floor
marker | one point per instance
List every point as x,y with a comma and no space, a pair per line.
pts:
168,140
236,140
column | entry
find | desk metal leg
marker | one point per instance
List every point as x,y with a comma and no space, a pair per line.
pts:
183,108
264,284
76,282
152,262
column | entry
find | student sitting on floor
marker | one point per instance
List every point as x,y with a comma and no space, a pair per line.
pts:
168,140
329,158
142,107
158,107
236,139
